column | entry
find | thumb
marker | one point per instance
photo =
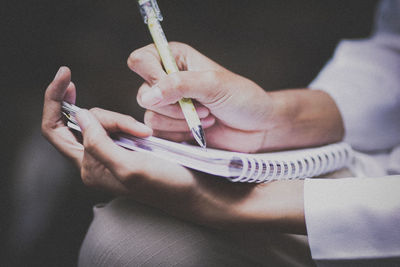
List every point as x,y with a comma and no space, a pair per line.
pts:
203,86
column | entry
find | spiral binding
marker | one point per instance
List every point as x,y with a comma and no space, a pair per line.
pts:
317,161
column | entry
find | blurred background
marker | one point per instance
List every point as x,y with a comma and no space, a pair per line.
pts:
45,209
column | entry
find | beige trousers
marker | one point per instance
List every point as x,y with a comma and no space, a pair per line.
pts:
124,233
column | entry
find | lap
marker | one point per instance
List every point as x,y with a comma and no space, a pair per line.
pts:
125,233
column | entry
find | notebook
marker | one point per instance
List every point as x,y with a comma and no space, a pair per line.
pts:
237,167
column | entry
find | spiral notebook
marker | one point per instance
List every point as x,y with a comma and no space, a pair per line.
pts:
237,167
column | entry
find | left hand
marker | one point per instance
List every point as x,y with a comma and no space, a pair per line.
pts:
60,136
181,192
190,195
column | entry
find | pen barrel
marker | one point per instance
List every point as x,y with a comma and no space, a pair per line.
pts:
162,46
170,66
189,112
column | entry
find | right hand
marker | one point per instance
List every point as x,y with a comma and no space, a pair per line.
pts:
235,112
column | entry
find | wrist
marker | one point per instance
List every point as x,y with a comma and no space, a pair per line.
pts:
277,206
285,209
301,118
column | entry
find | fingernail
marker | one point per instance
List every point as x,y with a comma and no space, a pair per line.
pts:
152,96
83,119
59,72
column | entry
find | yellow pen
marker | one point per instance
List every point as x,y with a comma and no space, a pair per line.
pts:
152,17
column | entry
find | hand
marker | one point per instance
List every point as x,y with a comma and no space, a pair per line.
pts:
186,194
236,113
203,199
233,109
60,136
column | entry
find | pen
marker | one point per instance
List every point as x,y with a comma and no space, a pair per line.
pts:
152,16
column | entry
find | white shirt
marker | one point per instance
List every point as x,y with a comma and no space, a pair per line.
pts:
357,220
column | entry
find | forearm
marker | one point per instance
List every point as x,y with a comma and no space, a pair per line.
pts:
276,206
302,118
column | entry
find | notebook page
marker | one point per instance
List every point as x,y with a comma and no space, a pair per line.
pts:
211,161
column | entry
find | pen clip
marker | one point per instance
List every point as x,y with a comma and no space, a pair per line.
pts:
144,5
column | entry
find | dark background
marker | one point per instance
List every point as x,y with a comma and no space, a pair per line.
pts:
45,210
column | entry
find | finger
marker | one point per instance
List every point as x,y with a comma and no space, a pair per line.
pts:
160,122
116,122
100,146
204,86
54,95
188,58
173,110
174,136
70,93
53,128
146,62
56,90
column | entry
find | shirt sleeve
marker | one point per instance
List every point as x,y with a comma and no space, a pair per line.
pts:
357,220
353,219
363,78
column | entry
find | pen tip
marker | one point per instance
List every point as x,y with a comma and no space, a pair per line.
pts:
199,136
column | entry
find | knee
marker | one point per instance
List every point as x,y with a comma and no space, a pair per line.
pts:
124,233
101,238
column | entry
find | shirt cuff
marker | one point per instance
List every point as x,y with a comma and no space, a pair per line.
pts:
353,218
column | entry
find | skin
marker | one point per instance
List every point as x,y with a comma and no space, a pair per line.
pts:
241,115
250,122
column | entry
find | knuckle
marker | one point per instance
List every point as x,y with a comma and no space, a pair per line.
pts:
179,45
86,178
139,99
152,78
175,43
212,76
135,58
130,119
150,118
96,111
91,143
215,80
139,94
125,174
47,93
136,172
176,82
44,129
